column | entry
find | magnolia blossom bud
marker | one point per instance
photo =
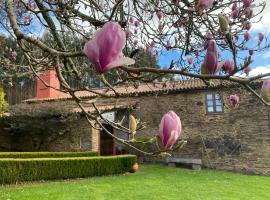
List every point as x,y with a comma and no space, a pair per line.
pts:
234,6
131,20
235,13
205,4
247,25
135,42
128,33
197,53
248,12
132,125
190,60
247,70
261,37
247,36
223,23
265,92
170,130
228,66
247,3
250,52
14,55
148,49
159,14
211,57
137,23
154,56
104,51
234,99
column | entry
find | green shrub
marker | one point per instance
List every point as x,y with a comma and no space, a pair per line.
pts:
18,170
46,154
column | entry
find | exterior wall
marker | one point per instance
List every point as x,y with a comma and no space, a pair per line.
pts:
49,134
238,139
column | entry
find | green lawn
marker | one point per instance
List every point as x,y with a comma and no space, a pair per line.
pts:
151,182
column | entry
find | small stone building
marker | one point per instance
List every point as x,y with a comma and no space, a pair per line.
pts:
222,136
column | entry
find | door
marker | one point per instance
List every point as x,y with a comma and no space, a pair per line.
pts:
106,147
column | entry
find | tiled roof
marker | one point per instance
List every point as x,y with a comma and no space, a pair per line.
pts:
142,89
108,107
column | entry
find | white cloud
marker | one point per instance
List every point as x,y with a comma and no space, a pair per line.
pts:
260,70
264,24
256,71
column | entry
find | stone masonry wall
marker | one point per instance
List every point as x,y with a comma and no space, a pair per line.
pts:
49,134
238,139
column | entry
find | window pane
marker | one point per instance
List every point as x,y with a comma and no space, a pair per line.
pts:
210,109
210,103
209,97
218,103
218,108
217,97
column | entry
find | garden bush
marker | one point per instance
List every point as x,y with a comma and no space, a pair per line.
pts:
46,154
19,170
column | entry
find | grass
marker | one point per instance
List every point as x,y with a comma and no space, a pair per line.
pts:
151,182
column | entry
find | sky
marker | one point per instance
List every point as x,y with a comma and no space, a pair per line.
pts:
261,60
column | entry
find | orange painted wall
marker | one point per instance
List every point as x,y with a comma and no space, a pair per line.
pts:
50,77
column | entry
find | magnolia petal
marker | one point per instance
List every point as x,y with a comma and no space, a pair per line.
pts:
120,62
91,50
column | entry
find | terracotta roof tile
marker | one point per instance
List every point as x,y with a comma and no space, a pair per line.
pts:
144,88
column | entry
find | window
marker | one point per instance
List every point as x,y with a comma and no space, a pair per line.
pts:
214,103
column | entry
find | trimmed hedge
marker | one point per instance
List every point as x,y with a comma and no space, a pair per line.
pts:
46,154
19,170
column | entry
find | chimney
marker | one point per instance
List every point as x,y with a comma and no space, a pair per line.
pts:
50,77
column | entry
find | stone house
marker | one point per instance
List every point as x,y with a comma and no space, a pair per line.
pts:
222,136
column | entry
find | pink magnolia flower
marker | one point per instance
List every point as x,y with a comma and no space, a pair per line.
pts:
170,130
135,42
148,49
248,12
234,6
235,13
190,60
247,25
154,56
261,37
247,36
14,55
228,66
159,14
265,92
234,99
211,57
105,49
250,52
247,70
128,33
204,4
137,23
197,53
131,20
247,3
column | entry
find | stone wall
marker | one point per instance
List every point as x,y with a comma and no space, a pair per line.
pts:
56,133
237,139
